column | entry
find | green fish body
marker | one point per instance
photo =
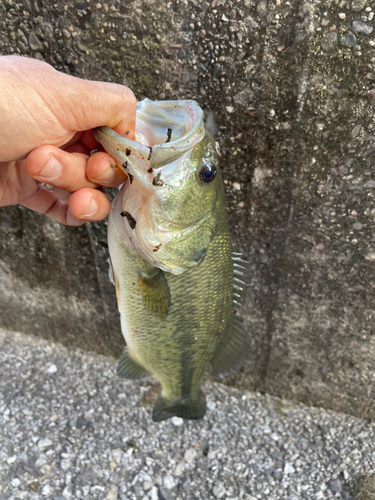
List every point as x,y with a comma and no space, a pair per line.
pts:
176,279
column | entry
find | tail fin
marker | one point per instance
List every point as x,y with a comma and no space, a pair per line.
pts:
193,408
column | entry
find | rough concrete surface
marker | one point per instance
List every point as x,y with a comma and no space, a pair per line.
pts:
287,87
70,429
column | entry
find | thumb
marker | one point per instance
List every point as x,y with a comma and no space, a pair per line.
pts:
96,104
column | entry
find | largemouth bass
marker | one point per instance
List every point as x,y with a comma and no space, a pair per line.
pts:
177,282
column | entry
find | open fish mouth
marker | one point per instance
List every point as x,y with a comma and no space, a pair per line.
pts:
165,130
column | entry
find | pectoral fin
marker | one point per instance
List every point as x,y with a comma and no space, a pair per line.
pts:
232,350
156,295
130,369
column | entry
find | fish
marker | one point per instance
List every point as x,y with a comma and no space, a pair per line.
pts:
178,284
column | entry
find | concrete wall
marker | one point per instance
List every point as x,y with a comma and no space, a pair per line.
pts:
288,88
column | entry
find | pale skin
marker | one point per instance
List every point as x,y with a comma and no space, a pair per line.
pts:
46,122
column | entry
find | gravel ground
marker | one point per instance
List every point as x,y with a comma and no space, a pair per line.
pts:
69,428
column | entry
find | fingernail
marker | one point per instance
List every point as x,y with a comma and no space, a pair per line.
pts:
108,174
51,170
91,209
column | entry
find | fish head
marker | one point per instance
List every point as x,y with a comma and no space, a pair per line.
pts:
170,196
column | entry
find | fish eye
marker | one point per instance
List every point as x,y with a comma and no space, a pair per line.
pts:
207,172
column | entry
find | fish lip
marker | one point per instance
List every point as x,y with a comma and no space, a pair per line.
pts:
111,136
131,157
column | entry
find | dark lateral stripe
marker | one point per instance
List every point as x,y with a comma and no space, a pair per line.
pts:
186,372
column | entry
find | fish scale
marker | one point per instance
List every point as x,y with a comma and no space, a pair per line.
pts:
201,302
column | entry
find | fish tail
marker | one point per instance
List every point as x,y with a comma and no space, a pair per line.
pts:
193,408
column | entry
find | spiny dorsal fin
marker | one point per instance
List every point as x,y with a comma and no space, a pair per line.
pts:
232,350
241,266
241,278
156,295
130,369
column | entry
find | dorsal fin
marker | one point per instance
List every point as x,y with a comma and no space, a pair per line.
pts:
241,278
232,350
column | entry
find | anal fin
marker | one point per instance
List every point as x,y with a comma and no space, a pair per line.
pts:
232,350
156,295
130,369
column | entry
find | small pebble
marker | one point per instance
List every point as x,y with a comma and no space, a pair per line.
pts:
362,27
348,39
44,443
190,455
169,482
177,421
42,460
335,485
330,41
289,469
46,490
116,455
219,491
67,492
211,405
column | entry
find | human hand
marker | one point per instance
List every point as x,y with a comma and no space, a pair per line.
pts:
46,119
